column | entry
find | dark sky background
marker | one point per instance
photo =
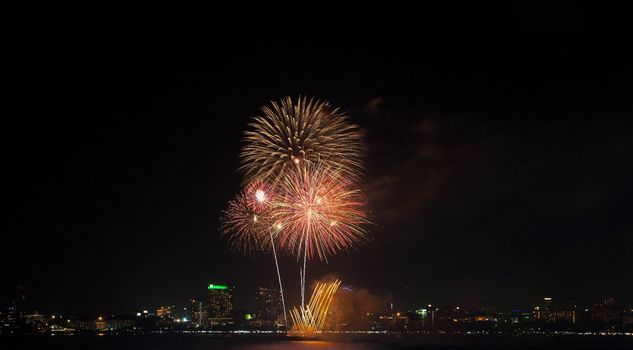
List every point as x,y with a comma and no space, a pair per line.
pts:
500,158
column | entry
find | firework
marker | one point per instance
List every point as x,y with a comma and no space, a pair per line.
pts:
311,318
302,161
248,225
246,229
260,197
319,212
291,133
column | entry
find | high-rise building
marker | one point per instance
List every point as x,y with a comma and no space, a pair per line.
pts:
8,318
544,311
550,312
220,300
197,312
268,305
609,312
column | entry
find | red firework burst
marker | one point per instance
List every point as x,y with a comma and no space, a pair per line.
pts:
319,212
260,197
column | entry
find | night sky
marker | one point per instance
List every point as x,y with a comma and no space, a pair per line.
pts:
500,159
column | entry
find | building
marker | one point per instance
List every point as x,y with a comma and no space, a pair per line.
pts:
521,316
609,312
268,306
547,304
197,312
544,312
8,318
101,324
165,311
220,300
548,312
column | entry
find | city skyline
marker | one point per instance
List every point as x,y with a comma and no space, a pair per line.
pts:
353,310
249,301
218,302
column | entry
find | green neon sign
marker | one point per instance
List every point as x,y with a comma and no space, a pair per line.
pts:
217,286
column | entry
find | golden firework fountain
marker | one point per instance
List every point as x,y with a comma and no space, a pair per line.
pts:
309,320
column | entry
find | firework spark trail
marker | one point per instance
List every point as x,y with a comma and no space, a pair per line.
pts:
302,283
281,288
297,132
303,280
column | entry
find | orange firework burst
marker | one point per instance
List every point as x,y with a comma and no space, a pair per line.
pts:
245,227
319,212
297,132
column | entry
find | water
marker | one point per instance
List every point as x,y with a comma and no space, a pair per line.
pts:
197,342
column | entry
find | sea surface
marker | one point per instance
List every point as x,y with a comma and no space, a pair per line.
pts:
201,342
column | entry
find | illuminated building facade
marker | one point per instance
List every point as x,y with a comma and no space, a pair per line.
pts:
609,312
8,318
544,311
548,313
101,324
220,300
268,305
164,311
197,312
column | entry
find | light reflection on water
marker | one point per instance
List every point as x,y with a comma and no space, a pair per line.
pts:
184,342
311,344
161,342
